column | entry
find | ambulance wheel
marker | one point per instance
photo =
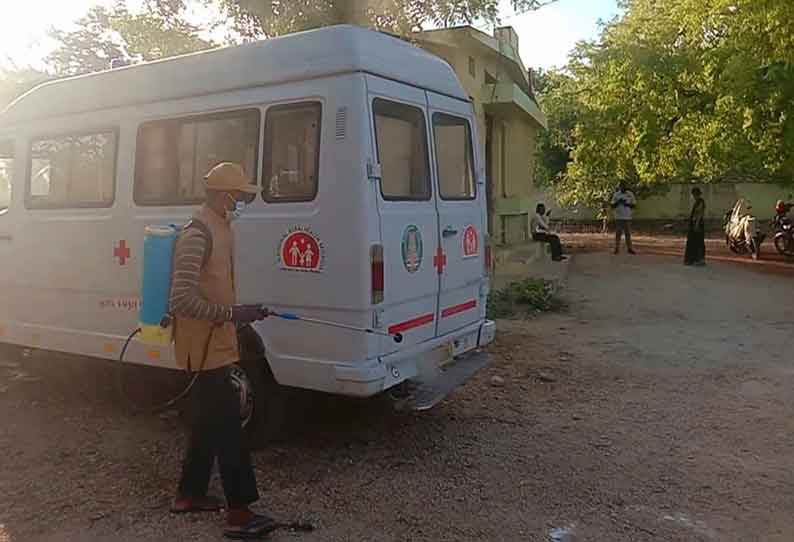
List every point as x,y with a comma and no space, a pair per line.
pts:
263,402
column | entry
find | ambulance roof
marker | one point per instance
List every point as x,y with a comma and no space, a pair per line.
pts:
295,57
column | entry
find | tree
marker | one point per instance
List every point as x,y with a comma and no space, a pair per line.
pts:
267,18
16,81
556,91
677,90
158,31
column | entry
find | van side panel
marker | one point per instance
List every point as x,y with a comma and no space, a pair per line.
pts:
339,218
65,273
74,285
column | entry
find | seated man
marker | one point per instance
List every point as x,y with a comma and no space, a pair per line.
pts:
540,232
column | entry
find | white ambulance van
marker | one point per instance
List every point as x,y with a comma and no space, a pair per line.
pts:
372,210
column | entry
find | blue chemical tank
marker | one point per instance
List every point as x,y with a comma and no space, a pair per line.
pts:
158,253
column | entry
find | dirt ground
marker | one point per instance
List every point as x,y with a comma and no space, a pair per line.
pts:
656,407
716,250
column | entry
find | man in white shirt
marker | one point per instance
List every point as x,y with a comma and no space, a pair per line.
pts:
540,232
623,202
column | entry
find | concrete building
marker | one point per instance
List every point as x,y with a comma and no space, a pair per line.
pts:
509,119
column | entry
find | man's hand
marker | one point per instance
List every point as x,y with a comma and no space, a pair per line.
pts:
245,314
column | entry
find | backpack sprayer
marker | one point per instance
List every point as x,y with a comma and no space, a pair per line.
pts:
156,321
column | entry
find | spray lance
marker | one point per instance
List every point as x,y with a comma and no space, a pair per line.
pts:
397,337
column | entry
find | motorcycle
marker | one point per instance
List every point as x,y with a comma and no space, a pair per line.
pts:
741,231
783,229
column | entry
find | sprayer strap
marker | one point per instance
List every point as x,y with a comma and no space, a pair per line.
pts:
205,231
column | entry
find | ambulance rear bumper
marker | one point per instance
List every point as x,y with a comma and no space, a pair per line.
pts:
418,363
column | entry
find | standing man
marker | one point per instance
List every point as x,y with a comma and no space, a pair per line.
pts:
203,300
695,253
623,202
540,232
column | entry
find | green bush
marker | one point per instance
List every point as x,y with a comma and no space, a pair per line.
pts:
522,298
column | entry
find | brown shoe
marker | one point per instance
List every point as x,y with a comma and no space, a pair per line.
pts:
192,505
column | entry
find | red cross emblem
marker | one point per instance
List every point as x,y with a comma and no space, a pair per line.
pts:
122,252
440,260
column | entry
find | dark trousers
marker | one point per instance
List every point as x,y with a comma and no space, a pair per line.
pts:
623,227
695,245
215,433
553,241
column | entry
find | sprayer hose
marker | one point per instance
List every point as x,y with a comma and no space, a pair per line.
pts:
128,403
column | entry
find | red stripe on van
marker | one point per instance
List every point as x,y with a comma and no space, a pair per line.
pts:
411,324
457,309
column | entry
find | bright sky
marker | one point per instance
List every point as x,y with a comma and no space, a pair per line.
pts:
546,36
24,25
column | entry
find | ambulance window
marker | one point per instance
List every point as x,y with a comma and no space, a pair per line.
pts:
173,155
6,173
292,152
72,171
401,139
454,157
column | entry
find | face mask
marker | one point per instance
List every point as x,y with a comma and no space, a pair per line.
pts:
237,211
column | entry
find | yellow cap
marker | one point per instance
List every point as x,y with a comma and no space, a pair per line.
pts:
226,177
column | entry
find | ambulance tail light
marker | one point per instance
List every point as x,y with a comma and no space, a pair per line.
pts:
376,262
488,255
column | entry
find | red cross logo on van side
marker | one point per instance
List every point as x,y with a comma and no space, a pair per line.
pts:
440,260
122,252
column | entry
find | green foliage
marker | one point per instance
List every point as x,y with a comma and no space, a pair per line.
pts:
258,18
161,29
556,143
15,82
500,304
104,34
523,298
533,292
675,90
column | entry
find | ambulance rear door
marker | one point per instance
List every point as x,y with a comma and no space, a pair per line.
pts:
407,210
461,209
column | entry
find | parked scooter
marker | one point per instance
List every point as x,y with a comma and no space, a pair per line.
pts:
783,229
741,231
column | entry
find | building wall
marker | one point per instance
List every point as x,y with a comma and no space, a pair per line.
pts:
513,153
676,203
520,158
458,58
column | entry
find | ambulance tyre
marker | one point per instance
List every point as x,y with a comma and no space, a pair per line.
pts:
263,401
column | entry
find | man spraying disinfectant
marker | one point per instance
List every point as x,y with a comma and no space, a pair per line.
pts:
189,298
202,302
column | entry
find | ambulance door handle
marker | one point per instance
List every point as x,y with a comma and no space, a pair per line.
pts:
449,231
4,237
